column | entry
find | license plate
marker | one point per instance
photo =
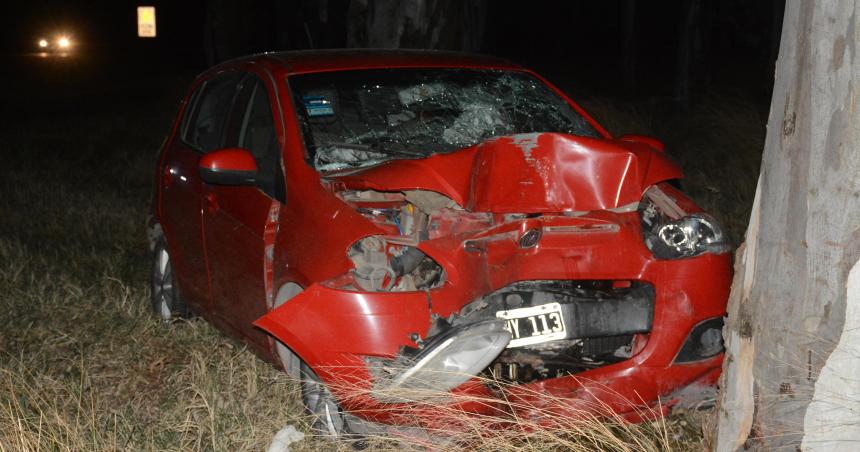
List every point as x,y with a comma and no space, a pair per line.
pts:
534,325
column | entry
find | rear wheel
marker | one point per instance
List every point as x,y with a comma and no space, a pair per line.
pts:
167,302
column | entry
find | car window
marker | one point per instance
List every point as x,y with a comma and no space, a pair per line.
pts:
364,117
189,112
251,126
206,131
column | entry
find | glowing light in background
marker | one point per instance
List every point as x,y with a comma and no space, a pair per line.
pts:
43,43
64,42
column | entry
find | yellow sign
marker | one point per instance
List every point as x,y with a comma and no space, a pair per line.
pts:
146,21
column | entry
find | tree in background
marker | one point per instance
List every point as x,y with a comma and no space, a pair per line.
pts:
233,28
417,24
792,371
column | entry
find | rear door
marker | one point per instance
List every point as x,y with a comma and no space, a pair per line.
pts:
201,130
239,221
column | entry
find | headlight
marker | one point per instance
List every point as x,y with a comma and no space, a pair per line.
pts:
670,233
448,360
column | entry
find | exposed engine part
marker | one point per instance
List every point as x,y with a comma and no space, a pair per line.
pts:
359,196
382,266
429,201
393,262
371,264
407,261
603,321
522,366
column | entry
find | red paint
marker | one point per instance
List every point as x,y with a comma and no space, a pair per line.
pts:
528,174
229,159
571,181
646,140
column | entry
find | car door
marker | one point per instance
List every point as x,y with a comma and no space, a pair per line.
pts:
239,221
201,130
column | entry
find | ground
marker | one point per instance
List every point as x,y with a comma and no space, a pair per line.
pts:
83,364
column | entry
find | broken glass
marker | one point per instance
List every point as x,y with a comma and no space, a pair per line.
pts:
365,117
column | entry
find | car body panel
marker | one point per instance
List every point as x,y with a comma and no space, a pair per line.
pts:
181,218
234,221
529,173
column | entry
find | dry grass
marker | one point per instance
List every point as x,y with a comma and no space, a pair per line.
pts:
531,420
84,366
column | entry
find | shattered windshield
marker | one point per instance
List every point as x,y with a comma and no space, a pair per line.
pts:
365,117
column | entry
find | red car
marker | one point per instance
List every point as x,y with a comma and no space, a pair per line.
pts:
392,226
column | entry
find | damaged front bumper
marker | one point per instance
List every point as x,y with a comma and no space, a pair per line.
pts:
651,335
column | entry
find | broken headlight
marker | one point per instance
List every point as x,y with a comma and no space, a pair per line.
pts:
671,233
445,362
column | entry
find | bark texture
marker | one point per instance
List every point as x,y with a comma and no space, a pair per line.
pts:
792,373
417,24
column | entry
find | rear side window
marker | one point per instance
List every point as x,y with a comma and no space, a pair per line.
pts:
206,127
189,112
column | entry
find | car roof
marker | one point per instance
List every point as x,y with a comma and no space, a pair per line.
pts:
307,61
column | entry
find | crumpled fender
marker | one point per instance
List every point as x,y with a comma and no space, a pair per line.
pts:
329,327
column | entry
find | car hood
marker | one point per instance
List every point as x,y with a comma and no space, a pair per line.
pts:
527,173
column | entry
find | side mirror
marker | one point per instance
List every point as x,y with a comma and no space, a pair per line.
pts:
646,140
228,166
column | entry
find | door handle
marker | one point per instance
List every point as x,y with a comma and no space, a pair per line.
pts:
211,203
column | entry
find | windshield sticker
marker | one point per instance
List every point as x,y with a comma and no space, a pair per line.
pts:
318,106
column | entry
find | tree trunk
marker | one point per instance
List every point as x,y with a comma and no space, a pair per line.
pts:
791,377
629,51
688,40
417,24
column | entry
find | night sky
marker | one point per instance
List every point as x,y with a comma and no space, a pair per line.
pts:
581,40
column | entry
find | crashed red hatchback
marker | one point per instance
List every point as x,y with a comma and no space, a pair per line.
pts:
404,222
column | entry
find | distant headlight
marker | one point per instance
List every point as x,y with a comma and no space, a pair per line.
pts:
448,360
669,235
64,42
43,43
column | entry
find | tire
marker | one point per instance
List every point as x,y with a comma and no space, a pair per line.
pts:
167,303
327,418
289,361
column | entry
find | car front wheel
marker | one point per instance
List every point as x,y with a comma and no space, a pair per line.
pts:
167,303
326,416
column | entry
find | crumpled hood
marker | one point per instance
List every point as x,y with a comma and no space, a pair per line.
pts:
528,173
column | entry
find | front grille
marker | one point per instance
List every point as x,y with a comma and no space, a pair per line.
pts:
601,320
